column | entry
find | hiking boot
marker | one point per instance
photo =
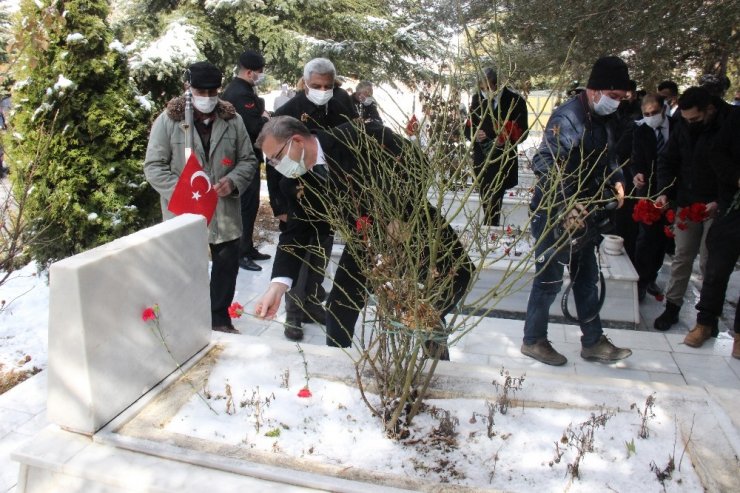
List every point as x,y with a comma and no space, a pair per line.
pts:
668,318
543,352
699,335
604,350
736,346
229,329
293,330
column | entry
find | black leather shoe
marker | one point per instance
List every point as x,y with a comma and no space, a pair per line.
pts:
293,331
314,313
653,289
229,329
256,255
248,264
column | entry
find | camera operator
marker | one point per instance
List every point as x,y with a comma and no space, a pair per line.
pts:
576,160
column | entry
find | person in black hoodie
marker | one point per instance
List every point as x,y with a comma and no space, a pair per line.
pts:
685,177
241,93
723,239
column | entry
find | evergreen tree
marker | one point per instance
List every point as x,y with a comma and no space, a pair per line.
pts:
660,39
79,130
386,40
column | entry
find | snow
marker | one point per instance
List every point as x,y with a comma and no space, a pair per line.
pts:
176,47
116,45
335,427
92,216
24,317
144,102
76,38
63,83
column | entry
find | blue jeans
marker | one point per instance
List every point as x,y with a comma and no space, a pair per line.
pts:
549,279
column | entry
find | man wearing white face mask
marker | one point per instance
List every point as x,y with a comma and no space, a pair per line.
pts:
576,160
223,148
321,105
650,139
241,92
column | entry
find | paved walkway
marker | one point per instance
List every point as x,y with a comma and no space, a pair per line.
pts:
657,357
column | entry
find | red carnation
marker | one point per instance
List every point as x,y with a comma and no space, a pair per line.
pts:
670,215
304,392
698,212
236,310
682,226
363,223
683,214
149,313
227,162
668,232
646,212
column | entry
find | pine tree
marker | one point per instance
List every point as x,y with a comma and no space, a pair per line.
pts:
79,130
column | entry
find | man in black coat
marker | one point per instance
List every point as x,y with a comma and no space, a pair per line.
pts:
650,138
723,239
684,176
241,93
498,121
321,105
329,167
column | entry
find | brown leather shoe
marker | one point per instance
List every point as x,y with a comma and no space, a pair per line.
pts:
605,351
698,335
229,329
736,346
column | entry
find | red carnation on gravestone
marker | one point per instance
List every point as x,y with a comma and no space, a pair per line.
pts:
304,393
236,310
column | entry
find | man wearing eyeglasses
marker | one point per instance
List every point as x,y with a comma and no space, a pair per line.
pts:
333,167
321,105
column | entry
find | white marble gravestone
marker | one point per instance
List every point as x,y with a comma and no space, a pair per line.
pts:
102,355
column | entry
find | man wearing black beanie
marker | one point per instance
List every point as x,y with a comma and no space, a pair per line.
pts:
241,93
574,164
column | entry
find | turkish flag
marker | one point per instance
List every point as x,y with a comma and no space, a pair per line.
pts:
193,192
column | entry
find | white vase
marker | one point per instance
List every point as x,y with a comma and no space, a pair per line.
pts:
613,244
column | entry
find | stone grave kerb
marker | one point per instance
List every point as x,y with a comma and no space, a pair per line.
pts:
102,355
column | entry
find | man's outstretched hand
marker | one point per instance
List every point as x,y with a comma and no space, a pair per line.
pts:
268,304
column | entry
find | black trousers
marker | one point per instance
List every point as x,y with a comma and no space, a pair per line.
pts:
306,286
349,293
224,269
649,251
723,249
250,202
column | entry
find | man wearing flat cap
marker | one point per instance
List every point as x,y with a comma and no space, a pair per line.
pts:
223,148
242,94
575,164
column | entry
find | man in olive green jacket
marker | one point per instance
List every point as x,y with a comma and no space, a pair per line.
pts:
223,148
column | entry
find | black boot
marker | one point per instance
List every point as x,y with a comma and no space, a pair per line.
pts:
668,318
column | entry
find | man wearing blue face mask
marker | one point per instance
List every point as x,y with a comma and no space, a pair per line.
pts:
241,92
576,160
322,105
